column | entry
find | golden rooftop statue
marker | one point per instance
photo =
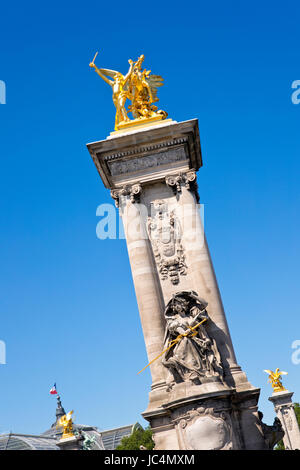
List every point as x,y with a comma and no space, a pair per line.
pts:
274,379
66,423
140,87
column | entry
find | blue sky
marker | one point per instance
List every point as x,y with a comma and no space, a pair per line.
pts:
67,302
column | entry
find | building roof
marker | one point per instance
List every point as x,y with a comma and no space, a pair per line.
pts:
112,437
90,431
13,441
103,440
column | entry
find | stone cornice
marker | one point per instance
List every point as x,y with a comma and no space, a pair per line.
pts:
144,150
145,155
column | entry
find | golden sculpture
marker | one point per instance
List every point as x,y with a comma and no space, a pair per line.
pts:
140,87
66,423
274,379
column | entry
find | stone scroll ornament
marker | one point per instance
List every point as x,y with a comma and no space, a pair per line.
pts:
187,179
194,356
165,233
134,192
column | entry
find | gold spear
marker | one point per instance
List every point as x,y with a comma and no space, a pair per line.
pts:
93,61
174,341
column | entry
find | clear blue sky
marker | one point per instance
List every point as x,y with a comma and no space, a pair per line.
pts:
68,307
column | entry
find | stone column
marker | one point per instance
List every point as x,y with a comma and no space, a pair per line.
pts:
205,283
147,288
284,408
152,177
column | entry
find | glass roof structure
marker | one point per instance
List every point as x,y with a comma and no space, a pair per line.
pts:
104,440
26,442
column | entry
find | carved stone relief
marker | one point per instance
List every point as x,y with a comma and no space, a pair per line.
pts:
286,413
204,429
120,167
165,234
286,410
193,355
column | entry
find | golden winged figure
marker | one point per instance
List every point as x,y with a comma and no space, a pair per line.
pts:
66,423
274,379
139,86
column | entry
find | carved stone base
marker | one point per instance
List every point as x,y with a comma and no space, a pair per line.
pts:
70,443
218,420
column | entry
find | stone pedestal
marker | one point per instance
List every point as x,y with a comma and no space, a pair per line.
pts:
152,177
70,443
284,408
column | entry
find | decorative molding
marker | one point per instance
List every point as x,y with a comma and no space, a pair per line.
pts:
143,162
134,192
187,179
144,149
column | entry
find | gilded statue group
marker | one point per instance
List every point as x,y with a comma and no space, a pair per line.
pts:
139,86
66,423
275,379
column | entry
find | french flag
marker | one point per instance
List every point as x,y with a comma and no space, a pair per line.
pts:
53,390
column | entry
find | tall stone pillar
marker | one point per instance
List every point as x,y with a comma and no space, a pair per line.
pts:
284,408
151,173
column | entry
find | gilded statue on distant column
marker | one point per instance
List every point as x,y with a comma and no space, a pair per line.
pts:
66,423
138,86
274,379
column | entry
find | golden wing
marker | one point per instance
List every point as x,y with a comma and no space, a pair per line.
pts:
69,415
62,421
268,371
154,82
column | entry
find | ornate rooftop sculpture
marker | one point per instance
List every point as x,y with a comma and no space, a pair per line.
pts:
274,379
138,86
67,424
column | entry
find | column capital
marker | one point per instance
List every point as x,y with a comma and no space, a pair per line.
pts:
133,191
281,398
187,179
